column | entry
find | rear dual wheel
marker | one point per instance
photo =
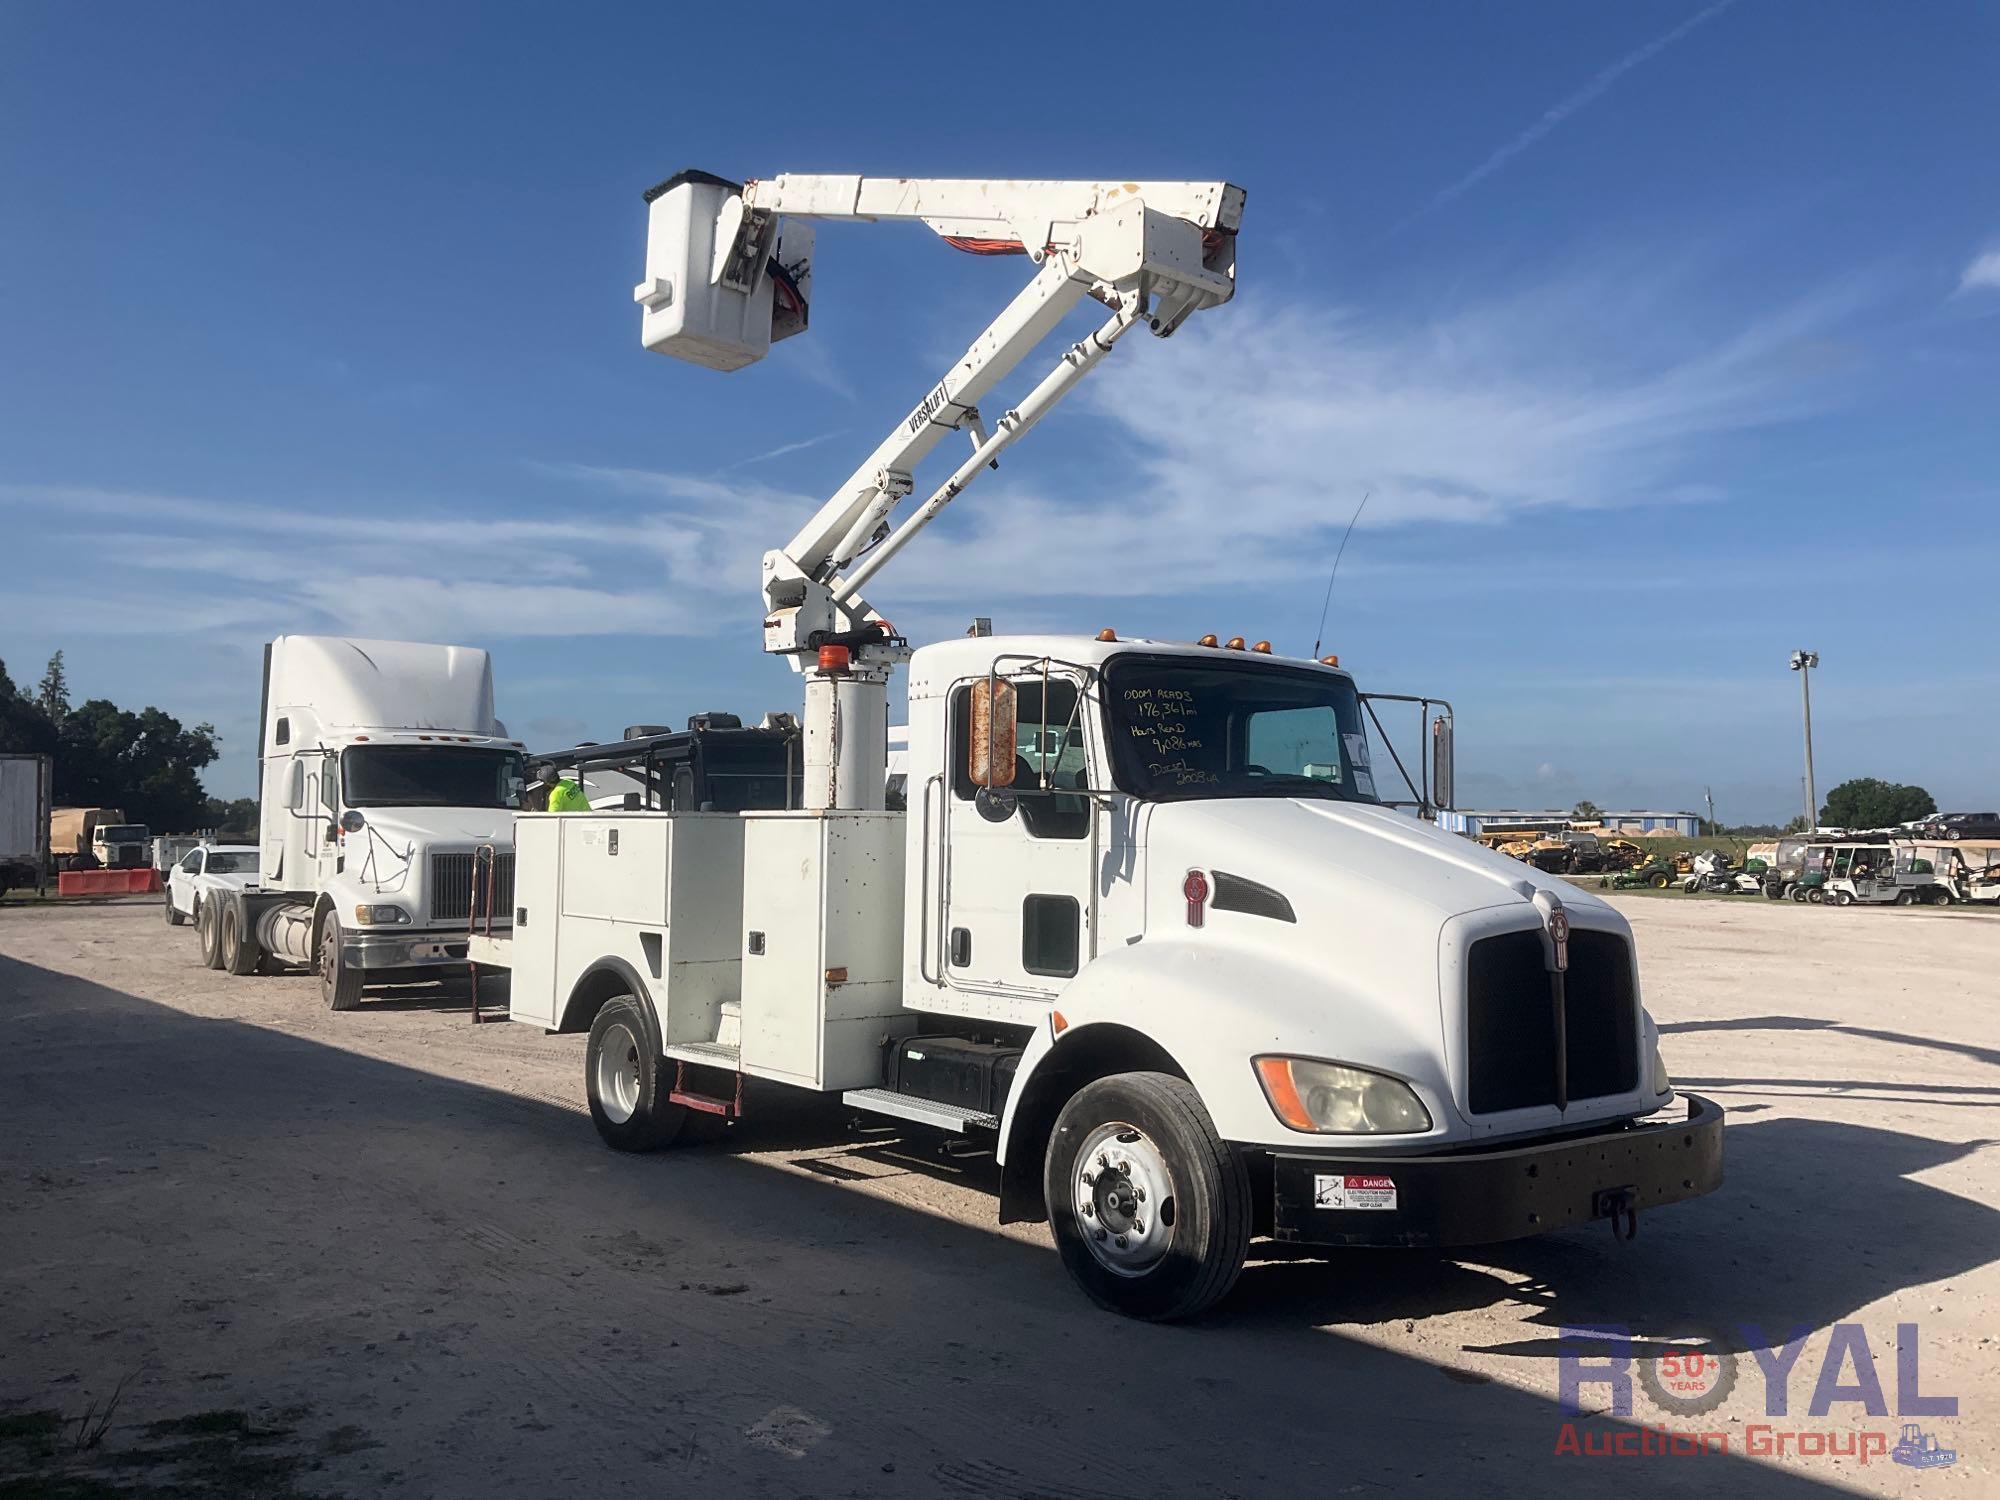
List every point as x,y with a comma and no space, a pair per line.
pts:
237,944
627,1081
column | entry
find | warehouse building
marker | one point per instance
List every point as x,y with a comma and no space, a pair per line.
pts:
1493,819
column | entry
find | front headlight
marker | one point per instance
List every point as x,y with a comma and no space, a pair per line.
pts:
1662,1083
385,915
1331,1099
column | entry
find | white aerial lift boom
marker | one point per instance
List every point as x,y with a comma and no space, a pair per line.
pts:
1151,252
1146,922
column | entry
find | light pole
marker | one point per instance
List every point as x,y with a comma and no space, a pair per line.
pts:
1802,663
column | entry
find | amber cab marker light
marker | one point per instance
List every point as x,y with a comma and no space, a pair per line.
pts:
834,658
1276,1075
1107,634
1263,646
1058,1022
1234,643
1207,640
1329,661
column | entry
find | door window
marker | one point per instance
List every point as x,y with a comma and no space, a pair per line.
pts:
1051,932
1049,754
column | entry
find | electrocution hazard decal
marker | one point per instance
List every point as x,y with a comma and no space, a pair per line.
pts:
1354,1192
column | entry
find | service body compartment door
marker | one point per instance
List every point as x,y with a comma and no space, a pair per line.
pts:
531,947
616,866
822,946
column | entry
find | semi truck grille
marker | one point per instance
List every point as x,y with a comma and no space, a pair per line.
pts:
455,888
1511,1023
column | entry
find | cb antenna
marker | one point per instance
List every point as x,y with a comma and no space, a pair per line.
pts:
1320,634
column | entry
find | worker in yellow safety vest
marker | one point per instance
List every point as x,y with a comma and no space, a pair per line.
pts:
566,795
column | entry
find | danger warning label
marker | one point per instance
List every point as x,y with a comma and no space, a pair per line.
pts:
1331,1191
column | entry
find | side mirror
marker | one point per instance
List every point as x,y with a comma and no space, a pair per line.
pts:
990,747
352,820
1441,762
995,804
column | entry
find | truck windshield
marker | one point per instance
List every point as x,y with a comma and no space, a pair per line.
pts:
1183,728
123,833
430,776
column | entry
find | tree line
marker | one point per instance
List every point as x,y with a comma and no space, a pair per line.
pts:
1864,802
145,763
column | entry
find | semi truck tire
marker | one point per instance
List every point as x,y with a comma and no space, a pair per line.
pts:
339,986
1150,1208
627,1081
240,952
208,932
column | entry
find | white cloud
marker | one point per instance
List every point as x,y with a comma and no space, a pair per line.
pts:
1983,274
1228,457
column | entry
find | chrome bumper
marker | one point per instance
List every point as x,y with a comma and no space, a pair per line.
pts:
402,950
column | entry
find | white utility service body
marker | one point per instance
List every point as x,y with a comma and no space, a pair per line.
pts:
1144,921
386,814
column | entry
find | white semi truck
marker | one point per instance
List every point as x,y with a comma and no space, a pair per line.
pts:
387,795
1147,923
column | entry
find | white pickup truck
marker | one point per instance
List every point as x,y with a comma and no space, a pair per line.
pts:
204,870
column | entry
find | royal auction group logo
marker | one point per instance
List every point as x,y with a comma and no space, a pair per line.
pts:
1686,1378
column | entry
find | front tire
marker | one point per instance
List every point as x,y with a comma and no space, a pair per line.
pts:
175,917
1842,898
626,1080
1150,1208
339,986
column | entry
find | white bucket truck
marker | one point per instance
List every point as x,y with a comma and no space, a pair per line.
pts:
1145,924
386,812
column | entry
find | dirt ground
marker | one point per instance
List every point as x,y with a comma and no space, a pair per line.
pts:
270,1250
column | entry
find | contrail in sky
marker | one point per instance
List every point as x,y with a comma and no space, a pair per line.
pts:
1589,93
778,452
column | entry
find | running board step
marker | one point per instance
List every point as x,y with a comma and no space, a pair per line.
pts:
708,1104
922,1111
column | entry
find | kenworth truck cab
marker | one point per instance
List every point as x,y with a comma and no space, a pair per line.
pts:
388,793
1146,923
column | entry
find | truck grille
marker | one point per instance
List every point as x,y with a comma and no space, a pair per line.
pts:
1511,1024
454,887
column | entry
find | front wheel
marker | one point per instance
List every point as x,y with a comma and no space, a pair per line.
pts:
626,1080
339,985
1842,898
1150,1208
1815,897
174,915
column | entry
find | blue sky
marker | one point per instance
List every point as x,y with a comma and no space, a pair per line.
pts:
1666,338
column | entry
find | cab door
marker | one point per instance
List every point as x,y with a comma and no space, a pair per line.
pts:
1019,913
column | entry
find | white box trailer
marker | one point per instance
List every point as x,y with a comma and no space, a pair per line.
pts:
26,782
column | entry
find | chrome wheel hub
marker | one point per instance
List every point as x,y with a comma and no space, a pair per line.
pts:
1124,1199
617,1074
